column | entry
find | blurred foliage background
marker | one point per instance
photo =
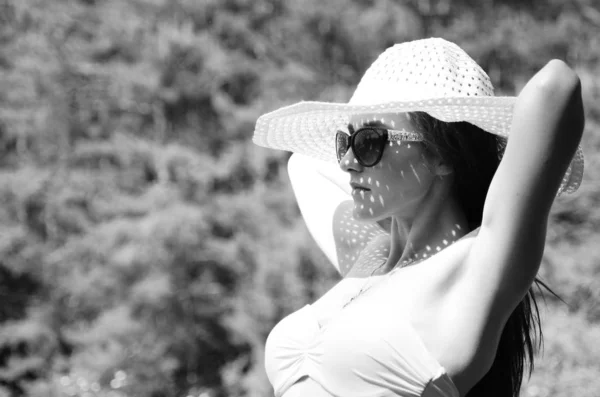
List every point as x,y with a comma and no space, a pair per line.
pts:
147,247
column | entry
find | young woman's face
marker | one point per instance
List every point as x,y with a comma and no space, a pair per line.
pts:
398,183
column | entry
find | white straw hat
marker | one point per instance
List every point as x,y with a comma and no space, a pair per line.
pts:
430,75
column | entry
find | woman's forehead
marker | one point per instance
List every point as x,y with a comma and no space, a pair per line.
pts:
397,121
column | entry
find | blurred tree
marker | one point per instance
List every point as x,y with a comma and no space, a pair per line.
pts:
148,247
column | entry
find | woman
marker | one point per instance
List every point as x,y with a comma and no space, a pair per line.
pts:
441,240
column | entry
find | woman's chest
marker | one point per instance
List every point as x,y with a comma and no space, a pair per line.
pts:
407,291
414,300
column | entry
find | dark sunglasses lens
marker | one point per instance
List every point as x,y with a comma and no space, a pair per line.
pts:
341,144
368,144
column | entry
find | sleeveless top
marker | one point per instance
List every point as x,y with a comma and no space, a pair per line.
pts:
362,352
366,347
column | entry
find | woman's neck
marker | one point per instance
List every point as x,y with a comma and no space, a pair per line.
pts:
438,222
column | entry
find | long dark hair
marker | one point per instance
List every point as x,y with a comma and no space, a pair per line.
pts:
475,156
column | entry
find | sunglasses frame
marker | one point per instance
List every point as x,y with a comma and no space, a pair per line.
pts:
385,135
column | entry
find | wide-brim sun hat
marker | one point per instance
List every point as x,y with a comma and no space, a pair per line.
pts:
430,75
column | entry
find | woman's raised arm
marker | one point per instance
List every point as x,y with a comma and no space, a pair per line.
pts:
320,188
547,127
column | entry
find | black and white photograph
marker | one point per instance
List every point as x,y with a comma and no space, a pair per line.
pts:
299,198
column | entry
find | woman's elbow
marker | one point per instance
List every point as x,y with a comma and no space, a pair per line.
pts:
297,163
556,77
557,89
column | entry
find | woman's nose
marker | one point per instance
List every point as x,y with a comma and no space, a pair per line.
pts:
349,163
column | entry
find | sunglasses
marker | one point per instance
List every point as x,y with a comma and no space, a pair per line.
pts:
368,142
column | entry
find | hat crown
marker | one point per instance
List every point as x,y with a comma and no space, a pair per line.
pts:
422,69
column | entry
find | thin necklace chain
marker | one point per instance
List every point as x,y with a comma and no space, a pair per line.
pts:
405,263
363,289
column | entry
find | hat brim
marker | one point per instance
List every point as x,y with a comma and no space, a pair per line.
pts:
309,128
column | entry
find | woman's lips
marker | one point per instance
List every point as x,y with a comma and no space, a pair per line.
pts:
358,187
358,190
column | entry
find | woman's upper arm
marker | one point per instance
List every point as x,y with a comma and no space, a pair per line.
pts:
319,188
546,130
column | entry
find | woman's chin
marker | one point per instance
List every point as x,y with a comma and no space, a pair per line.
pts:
365,213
